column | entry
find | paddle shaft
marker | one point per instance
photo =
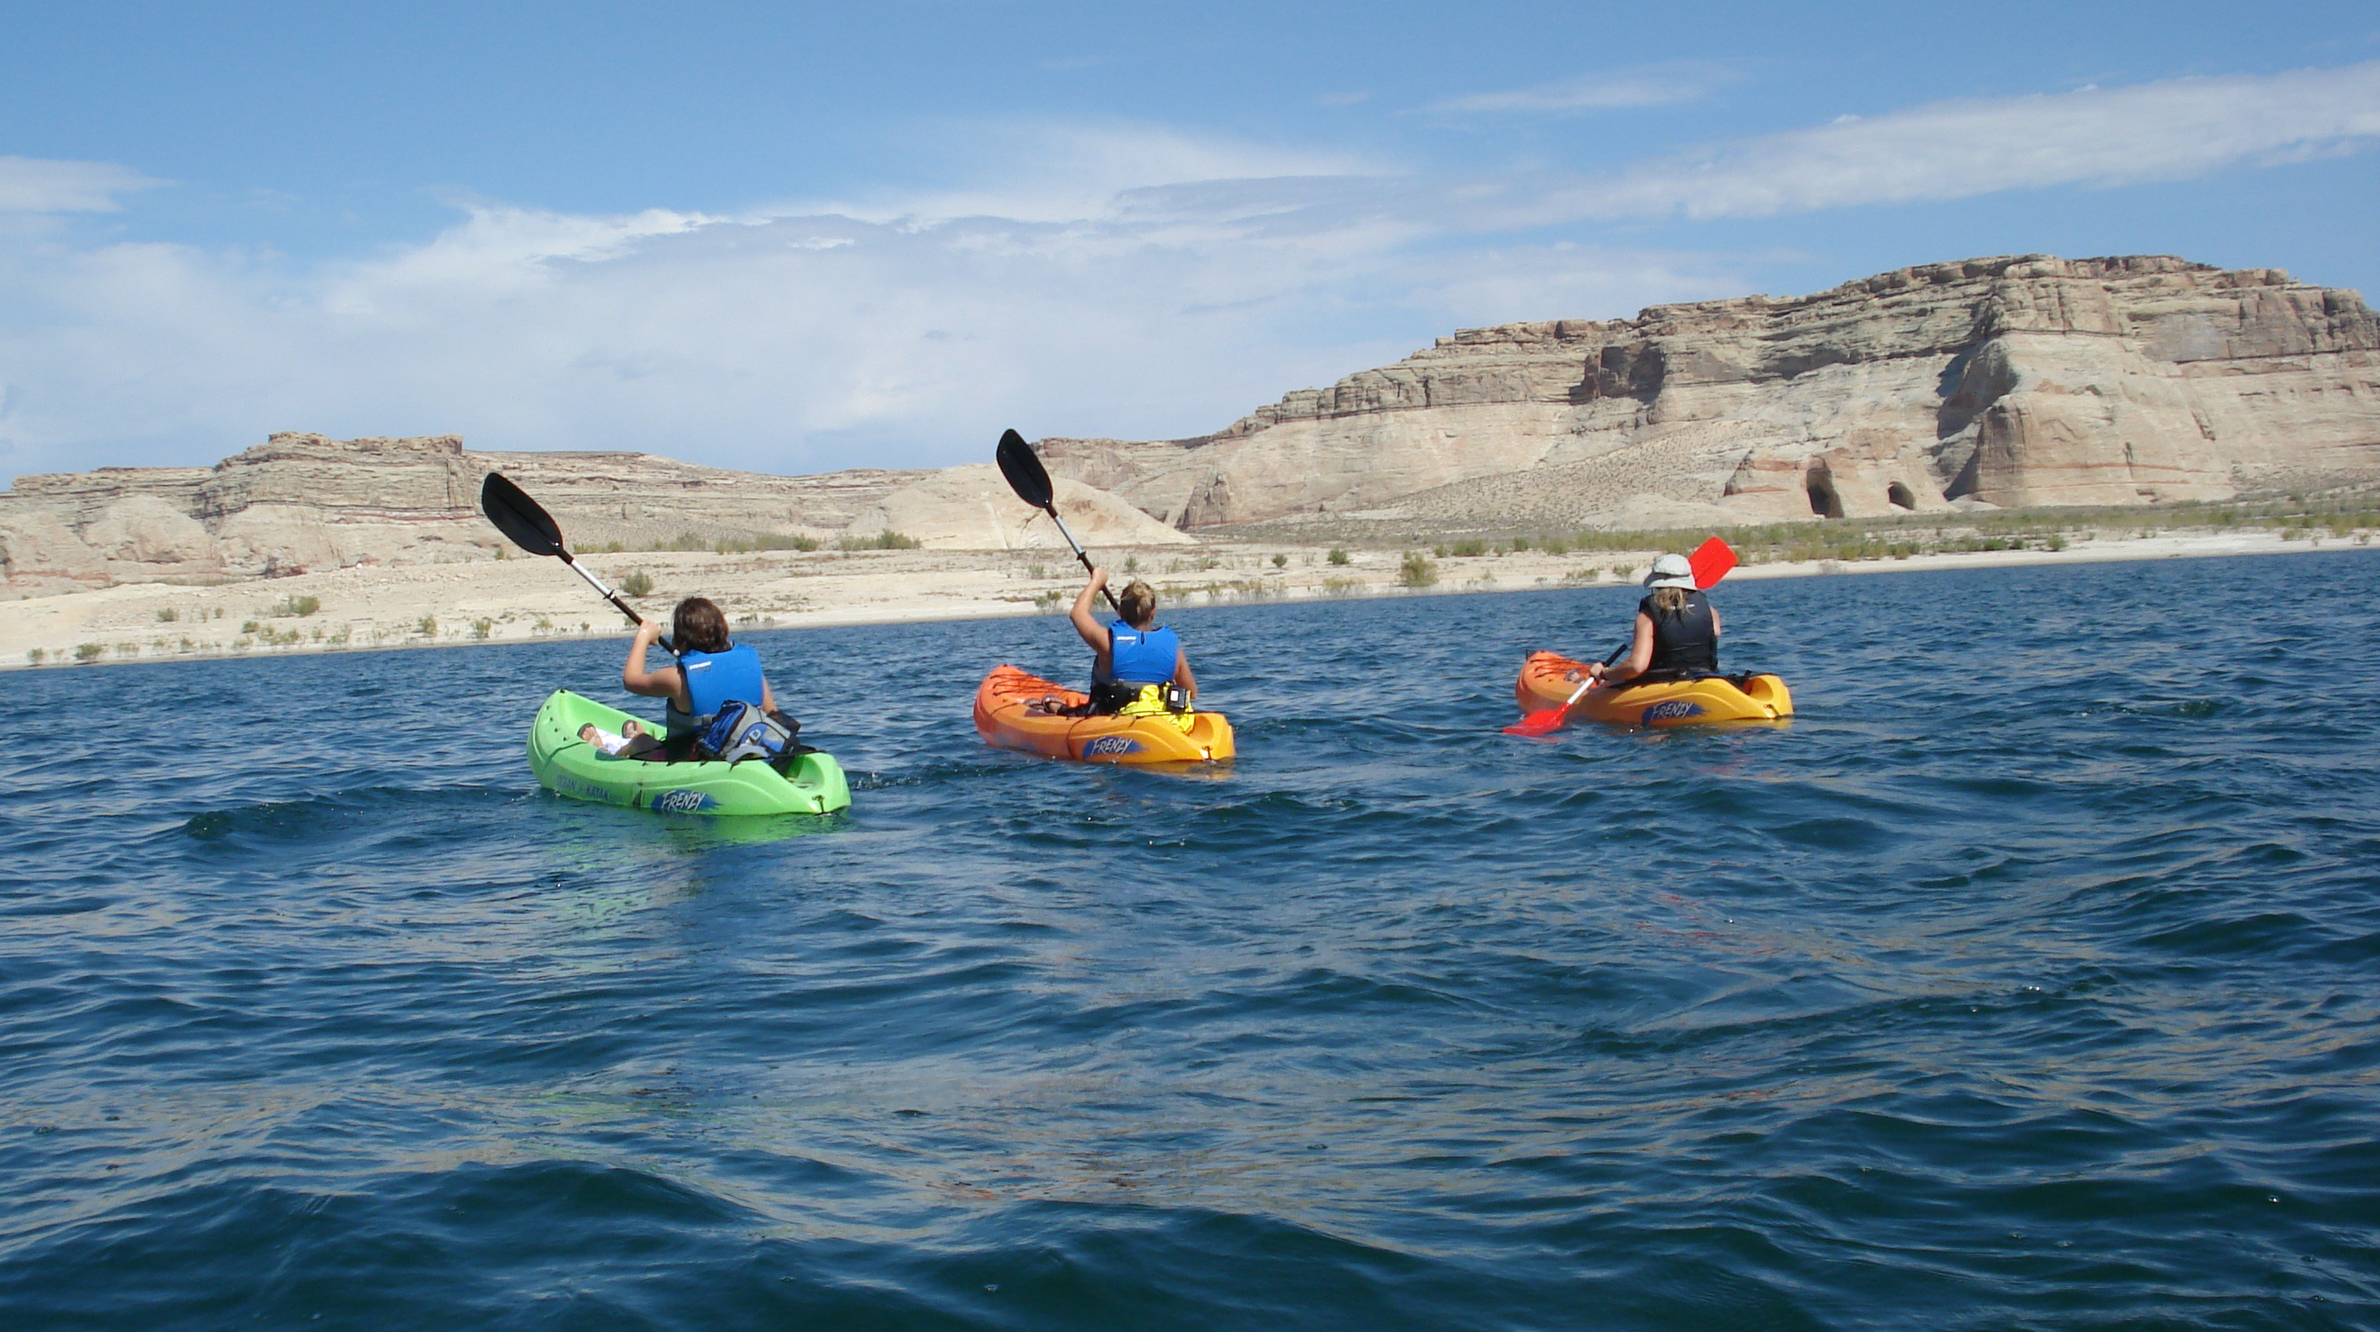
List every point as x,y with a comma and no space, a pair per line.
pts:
1052,510
1031,482
526,523
1589,682
613,597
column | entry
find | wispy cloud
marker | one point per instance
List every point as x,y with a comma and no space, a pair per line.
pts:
1606,90
1952,150
1104,279
38,185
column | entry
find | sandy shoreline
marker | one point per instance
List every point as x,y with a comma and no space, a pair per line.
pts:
520,598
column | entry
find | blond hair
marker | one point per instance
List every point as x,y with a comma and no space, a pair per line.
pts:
1669,600
1137,603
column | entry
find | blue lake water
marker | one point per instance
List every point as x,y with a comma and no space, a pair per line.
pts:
2030,979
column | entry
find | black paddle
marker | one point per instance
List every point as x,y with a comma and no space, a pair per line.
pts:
1031,482
534,530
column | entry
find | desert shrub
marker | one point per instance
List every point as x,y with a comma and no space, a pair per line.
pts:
1280,561
292,606
1417,570
169,615
1337,556
887,539
33,656
1465,549
87,651
426,626
251,626
482,627
636,583
765,541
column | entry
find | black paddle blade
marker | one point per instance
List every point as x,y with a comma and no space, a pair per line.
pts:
1026,476
520,517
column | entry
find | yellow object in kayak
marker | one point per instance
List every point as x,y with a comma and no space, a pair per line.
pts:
1548,679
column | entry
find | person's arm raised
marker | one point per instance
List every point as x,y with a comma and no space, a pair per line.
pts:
1086,621
663,683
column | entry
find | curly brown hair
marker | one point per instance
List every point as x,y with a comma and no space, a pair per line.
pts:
699,626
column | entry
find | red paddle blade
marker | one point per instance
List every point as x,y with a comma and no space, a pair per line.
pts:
1540,723
1711,562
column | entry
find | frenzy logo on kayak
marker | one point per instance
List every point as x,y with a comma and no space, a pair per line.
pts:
1676,709
683,802
1111,744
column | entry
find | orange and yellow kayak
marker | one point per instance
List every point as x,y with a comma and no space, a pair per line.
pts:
1017,710
1548,679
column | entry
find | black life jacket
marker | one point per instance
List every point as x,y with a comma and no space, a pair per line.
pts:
1685,642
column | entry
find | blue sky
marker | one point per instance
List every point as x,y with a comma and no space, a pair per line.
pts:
794,238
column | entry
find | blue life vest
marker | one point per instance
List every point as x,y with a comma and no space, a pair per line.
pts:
714,679
1142,656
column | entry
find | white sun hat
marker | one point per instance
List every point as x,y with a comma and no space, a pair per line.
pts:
1671,571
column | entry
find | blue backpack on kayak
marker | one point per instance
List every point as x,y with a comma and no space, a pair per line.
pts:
742,731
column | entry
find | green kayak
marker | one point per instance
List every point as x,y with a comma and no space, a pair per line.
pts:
570,766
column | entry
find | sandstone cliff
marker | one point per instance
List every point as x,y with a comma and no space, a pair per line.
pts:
300,502
2010,381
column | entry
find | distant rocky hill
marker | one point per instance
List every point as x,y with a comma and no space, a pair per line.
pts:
2010,381
299,502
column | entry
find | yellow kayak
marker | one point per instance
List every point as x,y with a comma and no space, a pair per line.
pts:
1548,679
1017,710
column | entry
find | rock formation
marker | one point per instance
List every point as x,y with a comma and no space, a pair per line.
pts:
972,508
2008,381
300,501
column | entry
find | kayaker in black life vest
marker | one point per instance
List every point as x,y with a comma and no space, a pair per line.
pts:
1677,629
1135,652
708,673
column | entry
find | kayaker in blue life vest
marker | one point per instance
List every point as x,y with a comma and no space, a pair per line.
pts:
1135,652
708,672
1677,629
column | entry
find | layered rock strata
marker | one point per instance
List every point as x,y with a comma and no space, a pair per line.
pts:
302,501
2010,381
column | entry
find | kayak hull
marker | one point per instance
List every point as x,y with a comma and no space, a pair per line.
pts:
567,765
1005,717
1547,681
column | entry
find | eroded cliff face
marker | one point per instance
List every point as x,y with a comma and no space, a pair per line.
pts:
303,501
2011,381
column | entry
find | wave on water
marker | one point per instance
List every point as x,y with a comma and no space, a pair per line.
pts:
2025,980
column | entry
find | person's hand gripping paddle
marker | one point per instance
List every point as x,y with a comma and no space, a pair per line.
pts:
535,531
1711,561
1031,482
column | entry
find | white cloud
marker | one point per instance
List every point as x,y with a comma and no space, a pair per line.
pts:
1650,85
39,185
1952,150
1108,279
